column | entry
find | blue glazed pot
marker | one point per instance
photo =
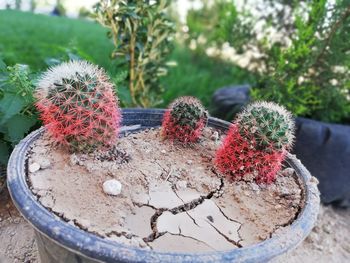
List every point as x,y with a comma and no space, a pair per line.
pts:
59,241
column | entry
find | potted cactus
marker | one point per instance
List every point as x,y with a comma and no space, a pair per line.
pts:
160,185
257,143
184,120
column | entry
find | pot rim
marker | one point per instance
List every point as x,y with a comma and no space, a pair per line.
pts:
97,248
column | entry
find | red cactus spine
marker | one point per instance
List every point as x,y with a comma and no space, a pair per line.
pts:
238,156
78,107
257,142
184,120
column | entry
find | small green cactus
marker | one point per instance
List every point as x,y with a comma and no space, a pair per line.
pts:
184,120
77,105
270,125
257,142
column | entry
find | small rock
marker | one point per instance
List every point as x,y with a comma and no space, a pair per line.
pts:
278,206
112,187
246,193
248,177
327,229
189,162
288,171
181,185
314,180
45,163
284,191
215,136
34,167
210,218
255,187
163,151
74,159
85,223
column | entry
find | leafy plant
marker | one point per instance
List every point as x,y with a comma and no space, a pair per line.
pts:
311,76
184,120
302,58
142,35
17,113
257,142
216,23
78,107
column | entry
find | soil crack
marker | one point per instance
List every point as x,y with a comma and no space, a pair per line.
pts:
176,210
195,239
237,244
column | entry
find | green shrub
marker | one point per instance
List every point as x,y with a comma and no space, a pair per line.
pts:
311,77
142,35
306,69
17,112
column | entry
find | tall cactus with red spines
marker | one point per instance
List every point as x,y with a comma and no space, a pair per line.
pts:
78,106
184,120
257,142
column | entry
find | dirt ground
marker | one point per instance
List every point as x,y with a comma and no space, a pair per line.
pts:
328,242
161,206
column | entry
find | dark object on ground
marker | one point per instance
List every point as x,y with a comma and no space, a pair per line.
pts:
323,148
229,100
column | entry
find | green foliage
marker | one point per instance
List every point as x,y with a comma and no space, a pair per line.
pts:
141,34
196,75
311,76
17,113
305,67
199,76
27,38
218,22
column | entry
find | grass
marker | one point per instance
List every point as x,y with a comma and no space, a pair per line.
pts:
30,39
198,75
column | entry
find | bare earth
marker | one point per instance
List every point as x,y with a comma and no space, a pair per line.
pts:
172,198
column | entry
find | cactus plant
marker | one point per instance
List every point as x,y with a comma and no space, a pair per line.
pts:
184,120
78,106
257,142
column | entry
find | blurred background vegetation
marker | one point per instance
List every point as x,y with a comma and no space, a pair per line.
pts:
296,53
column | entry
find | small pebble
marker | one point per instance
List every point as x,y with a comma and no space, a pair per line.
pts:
74,159
34,167
189,162
45,163
181,185
314,180
255,187
288,172
215,136
163,151
278,206
112,187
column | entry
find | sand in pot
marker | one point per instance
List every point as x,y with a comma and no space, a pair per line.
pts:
171,198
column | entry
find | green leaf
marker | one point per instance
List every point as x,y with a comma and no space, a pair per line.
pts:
124,95
18,126
2,65
4,153
10,105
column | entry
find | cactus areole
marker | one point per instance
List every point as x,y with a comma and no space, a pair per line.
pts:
257,142
77,105
184,120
